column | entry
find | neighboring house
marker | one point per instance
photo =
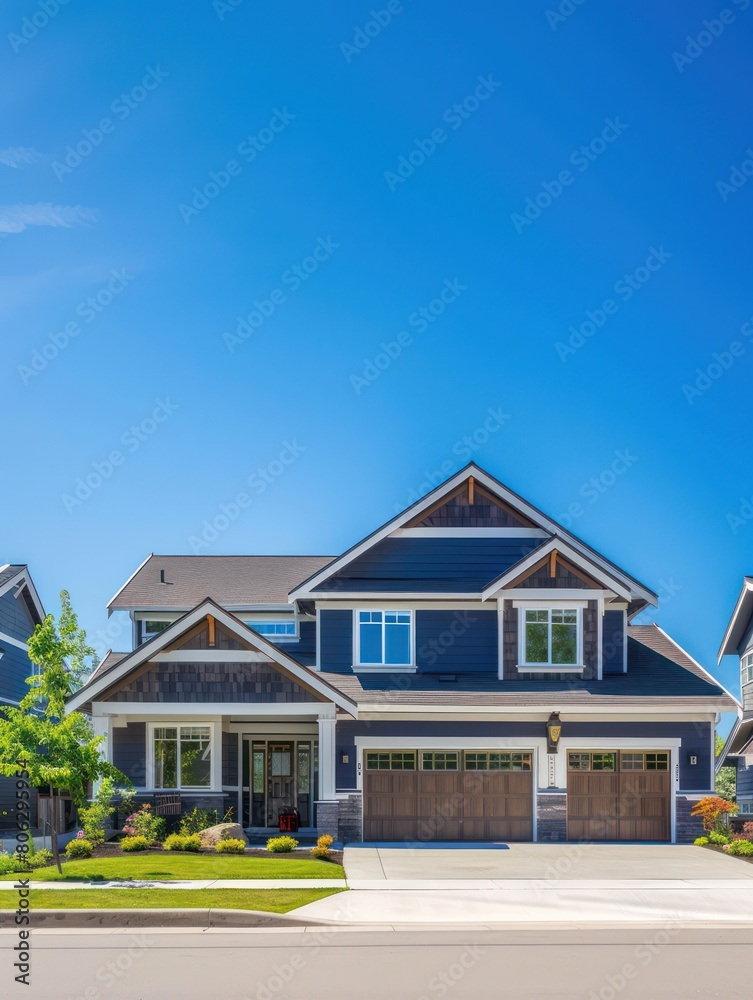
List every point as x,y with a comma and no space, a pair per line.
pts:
20,611
738,751
467,672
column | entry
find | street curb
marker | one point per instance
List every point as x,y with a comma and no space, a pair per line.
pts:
187,917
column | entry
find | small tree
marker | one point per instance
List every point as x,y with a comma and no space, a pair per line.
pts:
725,783
714,812
53,748
94,817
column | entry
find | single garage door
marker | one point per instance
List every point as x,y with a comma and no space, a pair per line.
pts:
618,795
448,795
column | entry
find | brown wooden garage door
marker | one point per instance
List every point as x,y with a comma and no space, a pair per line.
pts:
619,796
434,805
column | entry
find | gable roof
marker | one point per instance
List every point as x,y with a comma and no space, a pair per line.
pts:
17,575
235,582
308,588
660,675
739,621
113,670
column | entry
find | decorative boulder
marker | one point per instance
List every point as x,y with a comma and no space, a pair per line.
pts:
223,831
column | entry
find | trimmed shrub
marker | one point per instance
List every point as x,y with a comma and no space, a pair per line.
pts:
135,843
6,864
78,848
40,858
231,846
145,824
183,842
322,846
281,845
720,839
743,848
701,841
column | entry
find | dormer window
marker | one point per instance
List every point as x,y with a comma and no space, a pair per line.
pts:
550,637
384,638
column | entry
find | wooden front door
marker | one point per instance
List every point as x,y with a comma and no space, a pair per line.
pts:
619,796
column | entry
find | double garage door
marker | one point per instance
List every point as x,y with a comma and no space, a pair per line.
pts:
479,795
448,795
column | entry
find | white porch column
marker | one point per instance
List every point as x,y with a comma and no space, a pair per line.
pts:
102,726
327,759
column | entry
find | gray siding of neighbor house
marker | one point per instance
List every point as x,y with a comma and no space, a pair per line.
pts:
456,641
129,751
15,665
436,564
745,777
696,739
212,682
613,642
230,759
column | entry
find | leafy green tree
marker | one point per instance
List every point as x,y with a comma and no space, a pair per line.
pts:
55,748
725,783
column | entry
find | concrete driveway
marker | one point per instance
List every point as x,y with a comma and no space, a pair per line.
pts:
387,866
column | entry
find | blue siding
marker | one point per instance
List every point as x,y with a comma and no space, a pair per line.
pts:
456,641
304,650
438,565
613,641
336,643
129,751
696,739
230,759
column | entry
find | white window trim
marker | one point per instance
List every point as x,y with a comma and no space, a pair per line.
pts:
550,668
294,636
215,743
384,668
145,636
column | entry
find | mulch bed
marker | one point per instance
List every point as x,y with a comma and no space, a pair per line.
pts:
718,849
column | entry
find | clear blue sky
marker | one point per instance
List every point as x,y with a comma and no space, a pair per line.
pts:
303,121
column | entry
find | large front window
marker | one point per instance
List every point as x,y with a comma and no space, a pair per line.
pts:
384,638
182,756
550,636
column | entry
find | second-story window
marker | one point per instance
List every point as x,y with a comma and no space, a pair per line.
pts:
384,638
550,636
746,668
275,630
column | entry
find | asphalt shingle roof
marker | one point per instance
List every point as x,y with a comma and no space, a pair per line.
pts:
232,581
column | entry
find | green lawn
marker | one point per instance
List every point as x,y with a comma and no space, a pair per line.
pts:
270,900
167,866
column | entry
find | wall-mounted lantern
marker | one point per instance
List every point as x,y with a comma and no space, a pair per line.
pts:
553,732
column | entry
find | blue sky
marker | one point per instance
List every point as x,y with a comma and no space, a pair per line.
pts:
290,245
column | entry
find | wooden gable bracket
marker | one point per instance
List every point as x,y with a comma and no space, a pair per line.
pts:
471,489
210,623
553,564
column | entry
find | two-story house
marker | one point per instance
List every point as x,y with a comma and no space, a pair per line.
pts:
467,672
738,751
20,611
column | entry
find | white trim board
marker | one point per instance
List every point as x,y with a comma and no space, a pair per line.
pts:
14,642
214,710
469,533
23,579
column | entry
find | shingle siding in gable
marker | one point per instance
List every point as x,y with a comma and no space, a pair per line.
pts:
456,641
212,682
613,641
336,641
437,565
